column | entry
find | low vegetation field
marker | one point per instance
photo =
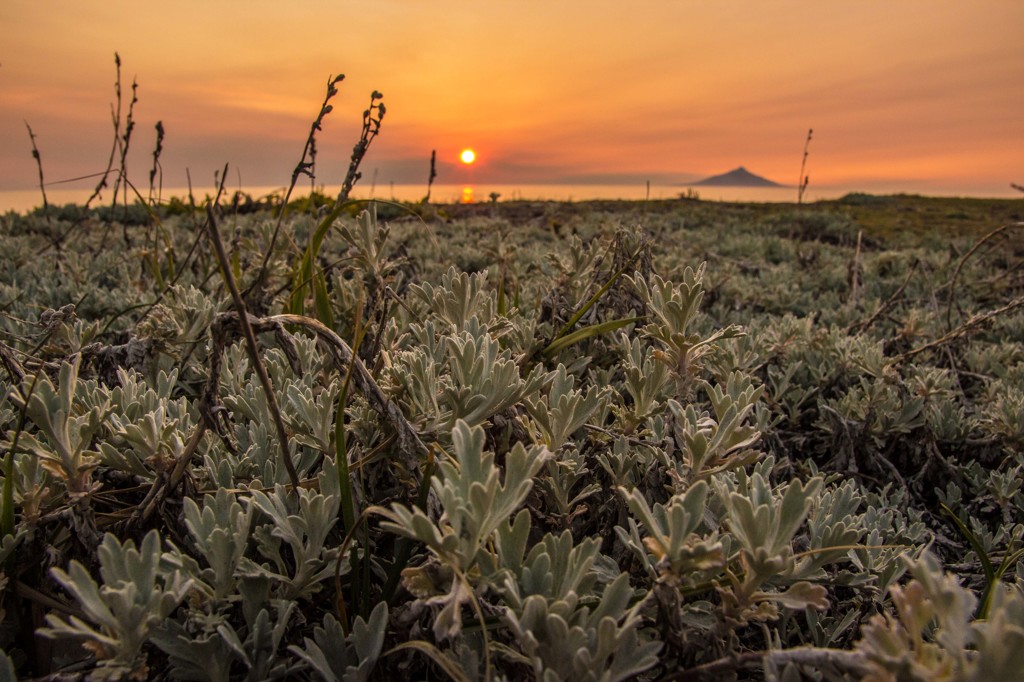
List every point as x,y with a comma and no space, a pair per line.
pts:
605,441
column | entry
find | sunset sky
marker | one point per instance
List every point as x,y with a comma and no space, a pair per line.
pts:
902,94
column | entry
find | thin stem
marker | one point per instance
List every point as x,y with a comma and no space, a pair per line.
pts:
804,180
372,118
157,168
851,662
39,165
250,343
303,167
433,174
126,139
859,328
116,116
969,325
960,265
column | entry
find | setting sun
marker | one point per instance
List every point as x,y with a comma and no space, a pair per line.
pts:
467,156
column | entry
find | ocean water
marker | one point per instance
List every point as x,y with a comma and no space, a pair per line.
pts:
25,200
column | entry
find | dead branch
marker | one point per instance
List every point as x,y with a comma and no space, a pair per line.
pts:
250,344
409,443
963,259
840,660
965,328
861,327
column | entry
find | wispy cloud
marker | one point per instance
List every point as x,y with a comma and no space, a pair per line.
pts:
545,90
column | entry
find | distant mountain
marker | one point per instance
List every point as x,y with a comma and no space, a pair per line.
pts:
739,177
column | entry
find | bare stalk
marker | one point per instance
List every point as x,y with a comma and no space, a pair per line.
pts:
860,327
408,443
157,168
968,326
804,180
164,484
433,174
303,167
123,144
312,167
855,272
39,164
371,128
963,259
115,113
845,662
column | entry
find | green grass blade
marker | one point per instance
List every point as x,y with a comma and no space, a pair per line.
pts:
502,303
303,273
588,332
986,563
7,499
1009,559
597,296
450,667
153,262
321,299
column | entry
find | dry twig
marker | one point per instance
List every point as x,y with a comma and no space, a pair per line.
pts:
39,164
250,344
861,327
409,443
840,660
960,264
966,327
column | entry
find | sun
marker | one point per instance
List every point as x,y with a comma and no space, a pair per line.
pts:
467,156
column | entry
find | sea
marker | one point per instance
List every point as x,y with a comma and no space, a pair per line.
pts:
25,200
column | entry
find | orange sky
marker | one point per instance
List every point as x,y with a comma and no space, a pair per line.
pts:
902,94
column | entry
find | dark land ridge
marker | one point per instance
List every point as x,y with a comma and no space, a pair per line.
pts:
738,177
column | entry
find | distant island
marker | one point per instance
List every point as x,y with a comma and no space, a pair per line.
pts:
739,177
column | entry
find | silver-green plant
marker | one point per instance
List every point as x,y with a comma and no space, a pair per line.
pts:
645,381
670,536
310,412
474,501
146,428
220,531
672,310
65,449
139,588
668,485
710,444
367,239
209,646
302,522
932,635
565,640
335,656
484,378
564,409
459,298
764,522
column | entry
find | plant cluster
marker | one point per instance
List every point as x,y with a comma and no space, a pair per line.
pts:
556,466
674,441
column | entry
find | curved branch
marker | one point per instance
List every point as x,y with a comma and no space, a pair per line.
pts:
851,662
968,326
960,265
408,442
